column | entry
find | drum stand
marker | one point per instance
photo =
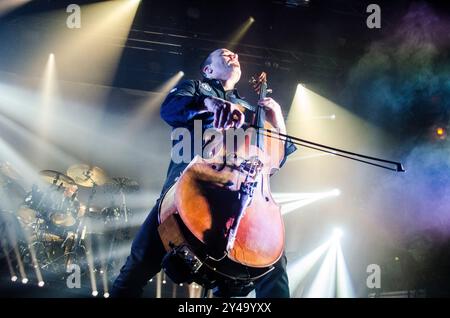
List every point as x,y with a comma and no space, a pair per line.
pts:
112,245
78,237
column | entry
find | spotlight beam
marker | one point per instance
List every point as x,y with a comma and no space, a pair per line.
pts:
10,5
151,106
299,269
104,20
344,283
291,201
324,284
76,123
90,261
34,260
237,35
48,98
44,146
10,154
8,261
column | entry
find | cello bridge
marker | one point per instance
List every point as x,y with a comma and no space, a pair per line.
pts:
251,167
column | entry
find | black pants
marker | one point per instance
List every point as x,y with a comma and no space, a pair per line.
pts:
147,252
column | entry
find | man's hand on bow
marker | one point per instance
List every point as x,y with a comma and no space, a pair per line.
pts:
226,114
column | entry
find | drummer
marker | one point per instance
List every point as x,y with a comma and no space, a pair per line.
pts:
70,201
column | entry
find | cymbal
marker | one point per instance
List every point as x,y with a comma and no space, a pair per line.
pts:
125,184
87,176
57,178
7,170
63,219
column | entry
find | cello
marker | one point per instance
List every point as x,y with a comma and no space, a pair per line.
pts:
219,223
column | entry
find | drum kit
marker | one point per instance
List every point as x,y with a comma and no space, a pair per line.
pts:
55,221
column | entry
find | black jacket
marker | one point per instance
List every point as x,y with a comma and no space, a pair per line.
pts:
185,103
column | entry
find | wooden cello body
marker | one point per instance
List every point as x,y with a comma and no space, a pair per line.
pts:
219,217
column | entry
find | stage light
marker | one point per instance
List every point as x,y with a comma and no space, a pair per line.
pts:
300,107
18,257
91,267
104,279
34,259
12,273
151,280
181,284
335,192
337,233
164,281
441,132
